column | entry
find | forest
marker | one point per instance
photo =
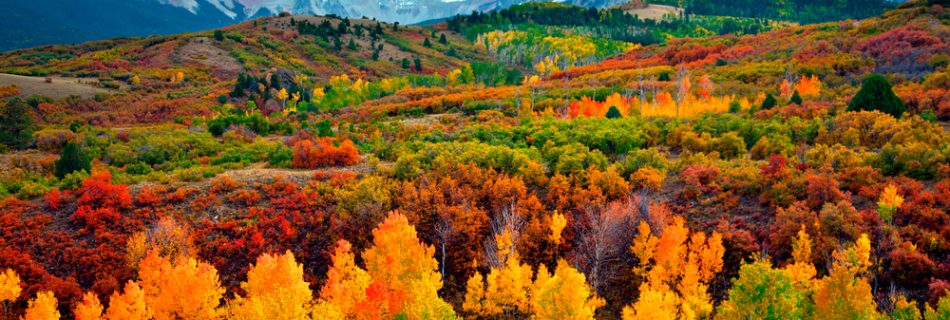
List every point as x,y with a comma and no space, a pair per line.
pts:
543,161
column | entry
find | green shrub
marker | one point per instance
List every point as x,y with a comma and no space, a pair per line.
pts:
72,159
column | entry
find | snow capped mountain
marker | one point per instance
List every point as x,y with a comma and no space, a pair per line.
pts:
403,11
28,23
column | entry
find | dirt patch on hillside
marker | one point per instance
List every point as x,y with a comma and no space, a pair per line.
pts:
58,87
654,11
201,51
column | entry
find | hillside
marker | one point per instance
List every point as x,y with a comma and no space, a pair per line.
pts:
262,45
544,161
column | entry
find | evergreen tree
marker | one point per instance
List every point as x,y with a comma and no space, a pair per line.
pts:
324,128
418,63
71,160
218,35
664,76
796,98
16,124
443,40
426,43
405,63
613,113
876,94
769,102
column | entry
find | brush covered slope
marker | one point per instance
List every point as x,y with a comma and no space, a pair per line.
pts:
798,173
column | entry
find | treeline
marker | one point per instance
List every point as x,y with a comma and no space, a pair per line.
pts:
612,23
801,11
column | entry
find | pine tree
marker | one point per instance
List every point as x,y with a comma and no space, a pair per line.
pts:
16,124
442,39
405,63
876,94
769,102
426,43
613,113
72,159
796,98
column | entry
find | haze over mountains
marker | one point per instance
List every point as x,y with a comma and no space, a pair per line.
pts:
29,23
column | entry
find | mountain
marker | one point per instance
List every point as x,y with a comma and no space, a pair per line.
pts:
29,23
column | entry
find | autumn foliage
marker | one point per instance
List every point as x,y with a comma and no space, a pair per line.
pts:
323,152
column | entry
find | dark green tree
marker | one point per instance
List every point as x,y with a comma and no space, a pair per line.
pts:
405,63
613,113
324,128
442,39
16,124
218,35
71,160
426,43
769,102
664,76
796,98
735,106
418,63
876,94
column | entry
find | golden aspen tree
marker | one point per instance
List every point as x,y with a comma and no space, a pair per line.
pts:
801,248
184,289
802,271
327,311
507,287
907,310
786,88
474,301
809,86
129,305
167,235
403,267
9,288
346,282
942,310
564,295
318,94
844,293
282,95
89,308
762,292
678,268
275,290
889,202
558,222
43,307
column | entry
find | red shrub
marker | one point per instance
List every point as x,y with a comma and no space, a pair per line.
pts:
324,153
99,192
54,199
